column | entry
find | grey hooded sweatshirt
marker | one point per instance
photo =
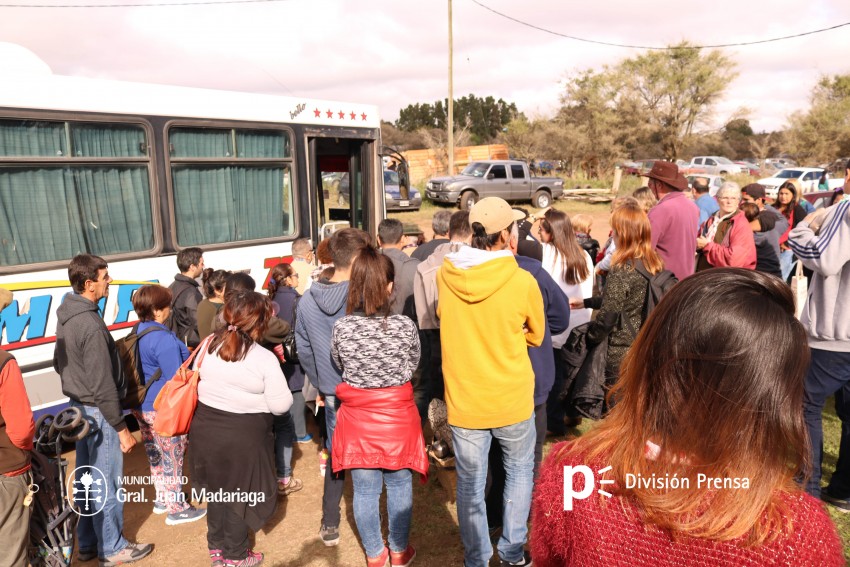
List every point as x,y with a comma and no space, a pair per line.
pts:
87,360
318,310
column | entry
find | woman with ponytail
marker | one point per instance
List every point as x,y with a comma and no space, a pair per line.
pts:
378,433
210,306
242,388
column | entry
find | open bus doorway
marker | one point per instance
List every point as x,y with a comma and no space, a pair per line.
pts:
341,168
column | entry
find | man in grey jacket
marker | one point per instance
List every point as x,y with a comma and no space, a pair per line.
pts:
318,310
90,369
824,248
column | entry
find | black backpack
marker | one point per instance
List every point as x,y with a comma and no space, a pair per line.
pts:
131,362
290,352
659,285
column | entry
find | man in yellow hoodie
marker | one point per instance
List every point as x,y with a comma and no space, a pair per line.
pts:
490,311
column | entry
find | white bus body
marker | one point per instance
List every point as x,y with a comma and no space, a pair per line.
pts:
238,174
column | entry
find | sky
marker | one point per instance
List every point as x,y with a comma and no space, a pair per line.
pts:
395,53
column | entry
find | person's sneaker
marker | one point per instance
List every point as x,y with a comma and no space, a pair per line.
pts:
216,558
159,508
252,560
843,504
524,562
190,514
306,439
402,558
330,535
287,488
84,555
323,461
383,560
133,552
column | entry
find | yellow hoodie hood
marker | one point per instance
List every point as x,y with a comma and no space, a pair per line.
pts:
474,275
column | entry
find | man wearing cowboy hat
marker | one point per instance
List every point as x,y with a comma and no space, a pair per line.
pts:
673,219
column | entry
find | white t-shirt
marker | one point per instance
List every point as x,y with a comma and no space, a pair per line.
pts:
255,384
554,266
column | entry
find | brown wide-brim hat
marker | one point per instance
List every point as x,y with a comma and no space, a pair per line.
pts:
668,173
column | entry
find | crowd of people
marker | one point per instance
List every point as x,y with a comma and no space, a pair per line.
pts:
520,333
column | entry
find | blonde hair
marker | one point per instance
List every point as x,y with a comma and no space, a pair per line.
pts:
582,223
645,198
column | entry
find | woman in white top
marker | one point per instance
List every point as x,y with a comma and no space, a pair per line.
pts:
242,388
572,269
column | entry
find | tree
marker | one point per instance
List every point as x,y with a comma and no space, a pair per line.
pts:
823,133
484,118
676,89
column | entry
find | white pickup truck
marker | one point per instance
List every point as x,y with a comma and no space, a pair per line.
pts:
714,165
508,179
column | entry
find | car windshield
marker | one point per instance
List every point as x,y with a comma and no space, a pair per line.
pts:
390,177
476,169
789,174
723,160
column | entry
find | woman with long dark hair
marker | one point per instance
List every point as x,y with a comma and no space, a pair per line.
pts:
210,306
621,304
788,205
572,269
281,290
696,463
241,389
378,434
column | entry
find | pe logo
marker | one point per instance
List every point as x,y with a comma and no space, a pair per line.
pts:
87,490
570,493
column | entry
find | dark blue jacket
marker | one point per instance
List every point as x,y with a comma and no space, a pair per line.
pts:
319,308
557,310
159,349
286,299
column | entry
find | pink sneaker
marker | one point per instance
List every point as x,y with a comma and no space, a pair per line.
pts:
252,560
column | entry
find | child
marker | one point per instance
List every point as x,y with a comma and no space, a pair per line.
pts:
581,227
766,239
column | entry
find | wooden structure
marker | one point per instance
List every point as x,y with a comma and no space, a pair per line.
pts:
425,164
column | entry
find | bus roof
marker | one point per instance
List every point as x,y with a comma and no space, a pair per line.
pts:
81,94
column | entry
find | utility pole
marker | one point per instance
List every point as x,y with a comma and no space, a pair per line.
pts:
451,121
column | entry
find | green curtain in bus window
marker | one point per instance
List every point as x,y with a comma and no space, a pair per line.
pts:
200,143
108,140
262,144
32,138
225,204
49,214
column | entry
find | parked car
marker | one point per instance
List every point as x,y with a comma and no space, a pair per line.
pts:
714,182
393,196
807,176
715,165
630,168
750,167
819,199
508,179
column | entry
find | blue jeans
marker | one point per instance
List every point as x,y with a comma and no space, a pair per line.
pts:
829,373
368,485
284,437
472,447
101,449
334,483
786,263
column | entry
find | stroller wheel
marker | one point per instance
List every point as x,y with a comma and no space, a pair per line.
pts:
42,426
68,419
77,433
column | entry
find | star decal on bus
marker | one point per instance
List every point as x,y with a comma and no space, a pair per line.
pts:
317,113
363,116
341,114
353,115
330,114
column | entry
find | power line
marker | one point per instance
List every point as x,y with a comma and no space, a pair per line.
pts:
611,44
150,5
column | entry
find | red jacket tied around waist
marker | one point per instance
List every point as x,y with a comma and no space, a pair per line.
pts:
378,428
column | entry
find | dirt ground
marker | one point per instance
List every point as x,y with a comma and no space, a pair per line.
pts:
291,538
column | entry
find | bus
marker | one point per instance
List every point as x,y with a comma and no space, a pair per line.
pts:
136,172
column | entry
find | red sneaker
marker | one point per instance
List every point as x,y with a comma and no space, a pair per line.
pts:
383,560
402,558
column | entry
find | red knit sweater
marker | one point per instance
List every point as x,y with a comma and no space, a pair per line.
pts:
609,533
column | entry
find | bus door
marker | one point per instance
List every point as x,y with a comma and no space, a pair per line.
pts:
340,180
